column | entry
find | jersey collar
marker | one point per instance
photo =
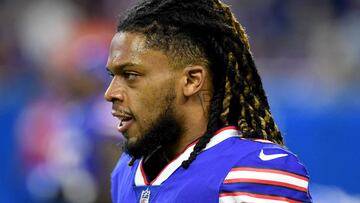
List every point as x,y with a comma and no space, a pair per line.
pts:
220,135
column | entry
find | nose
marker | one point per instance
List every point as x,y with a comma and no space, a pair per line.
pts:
114,92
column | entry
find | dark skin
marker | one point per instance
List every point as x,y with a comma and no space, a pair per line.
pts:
143,77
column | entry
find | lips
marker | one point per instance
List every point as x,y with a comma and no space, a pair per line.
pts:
125,121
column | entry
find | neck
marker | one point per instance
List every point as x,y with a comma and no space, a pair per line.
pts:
157,160
188,138
194,126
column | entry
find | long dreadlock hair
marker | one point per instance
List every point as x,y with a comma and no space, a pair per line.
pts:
206,32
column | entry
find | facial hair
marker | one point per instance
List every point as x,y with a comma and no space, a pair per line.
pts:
163,132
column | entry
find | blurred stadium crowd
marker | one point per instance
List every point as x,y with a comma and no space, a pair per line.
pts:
58,138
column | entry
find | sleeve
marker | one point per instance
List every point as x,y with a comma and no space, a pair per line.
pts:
270,174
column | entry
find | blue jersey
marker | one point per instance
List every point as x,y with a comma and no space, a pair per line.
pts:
229,169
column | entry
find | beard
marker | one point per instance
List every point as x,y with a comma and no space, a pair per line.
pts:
164,131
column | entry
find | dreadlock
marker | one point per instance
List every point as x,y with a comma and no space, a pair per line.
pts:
206,32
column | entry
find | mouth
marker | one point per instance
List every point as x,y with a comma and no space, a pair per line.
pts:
125,121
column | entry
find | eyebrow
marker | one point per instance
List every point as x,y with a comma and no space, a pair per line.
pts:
120,67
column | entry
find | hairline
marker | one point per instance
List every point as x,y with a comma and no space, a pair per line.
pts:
173,57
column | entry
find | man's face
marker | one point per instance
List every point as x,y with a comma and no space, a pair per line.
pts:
142,89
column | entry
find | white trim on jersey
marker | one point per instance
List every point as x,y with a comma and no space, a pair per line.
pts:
139,180
267,176
170,168
262,140
220,136
242,197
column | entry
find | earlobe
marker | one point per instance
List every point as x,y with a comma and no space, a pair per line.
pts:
195,77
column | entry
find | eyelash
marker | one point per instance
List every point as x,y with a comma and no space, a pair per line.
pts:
130,75
126,75
111,74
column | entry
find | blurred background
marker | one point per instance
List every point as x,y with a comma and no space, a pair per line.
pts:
58,138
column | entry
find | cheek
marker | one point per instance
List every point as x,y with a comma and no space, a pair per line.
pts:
149,105
149,99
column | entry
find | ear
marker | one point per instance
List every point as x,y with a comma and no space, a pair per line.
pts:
194,79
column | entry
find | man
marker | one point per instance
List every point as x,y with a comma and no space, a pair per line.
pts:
191,106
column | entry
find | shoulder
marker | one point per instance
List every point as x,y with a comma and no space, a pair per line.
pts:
265,171
265,154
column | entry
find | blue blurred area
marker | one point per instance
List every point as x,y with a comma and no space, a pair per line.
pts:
57,137
329,145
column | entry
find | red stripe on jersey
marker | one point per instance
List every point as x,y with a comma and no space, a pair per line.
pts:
265,197
143,174
267,182
190,145
270,171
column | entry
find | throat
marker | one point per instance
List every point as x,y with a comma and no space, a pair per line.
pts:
154,163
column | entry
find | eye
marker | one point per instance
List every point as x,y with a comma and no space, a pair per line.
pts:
130,75
110,73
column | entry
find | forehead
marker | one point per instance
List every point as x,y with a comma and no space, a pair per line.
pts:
130,48
124,46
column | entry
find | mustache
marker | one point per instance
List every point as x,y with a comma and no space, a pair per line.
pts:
119,110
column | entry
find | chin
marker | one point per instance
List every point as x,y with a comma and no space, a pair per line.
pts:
133,147
133,138
134,141
129,135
